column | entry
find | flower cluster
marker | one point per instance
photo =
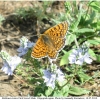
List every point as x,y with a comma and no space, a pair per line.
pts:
24,46
50,77
10,63
80,55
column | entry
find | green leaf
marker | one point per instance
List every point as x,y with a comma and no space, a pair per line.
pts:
76,22
57,93
70,38
39,91
78,91
98,25
84,30
48,91
98,58
84,77
95,42
90,20
95,6
97,39
64,51
92,54
62,83
65,89
64,59
68,68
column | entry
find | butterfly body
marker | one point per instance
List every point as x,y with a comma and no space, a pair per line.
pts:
50,42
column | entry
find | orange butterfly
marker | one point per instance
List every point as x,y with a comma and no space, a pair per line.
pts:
50,42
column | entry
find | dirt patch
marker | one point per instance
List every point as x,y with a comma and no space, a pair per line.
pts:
12,86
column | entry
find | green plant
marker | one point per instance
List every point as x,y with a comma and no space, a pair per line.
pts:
1,19
34,12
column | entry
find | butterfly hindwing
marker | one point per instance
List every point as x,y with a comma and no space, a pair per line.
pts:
52,54
59,43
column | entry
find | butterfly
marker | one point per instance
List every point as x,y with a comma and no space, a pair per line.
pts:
51,42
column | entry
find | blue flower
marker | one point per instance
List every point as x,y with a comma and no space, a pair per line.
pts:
51,77
79,56
72,57
10,65
59,75
22,51
84,58
24,46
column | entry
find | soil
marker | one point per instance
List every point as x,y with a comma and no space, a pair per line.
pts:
10,33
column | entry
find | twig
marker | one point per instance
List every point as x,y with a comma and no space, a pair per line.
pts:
20,79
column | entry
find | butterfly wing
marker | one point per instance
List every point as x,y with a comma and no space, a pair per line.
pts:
59,43
40,49
52,54
58,31
57,35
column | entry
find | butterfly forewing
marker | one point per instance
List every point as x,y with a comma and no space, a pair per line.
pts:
57,34
39,50
58,30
